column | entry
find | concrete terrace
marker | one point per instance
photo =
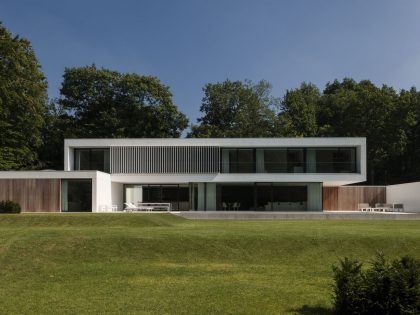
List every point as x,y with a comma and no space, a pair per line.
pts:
283,215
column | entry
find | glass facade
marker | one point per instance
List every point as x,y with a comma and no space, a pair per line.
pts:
336,160
92,160
76,195
284,160
289,160
238,160
262,197
178,195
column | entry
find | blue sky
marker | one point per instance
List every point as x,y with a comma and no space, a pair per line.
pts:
190,43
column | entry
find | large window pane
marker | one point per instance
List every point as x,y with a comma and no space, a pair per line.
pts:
82,159
284,160
177,195
275,160
92,160
236,197
289,198
295,160
76,195
336,160
264,196
238,160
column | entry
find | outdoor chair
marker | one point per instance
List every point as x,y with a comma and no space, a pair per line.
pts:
364,207
236,206
384,207
398,207
130,207
224,206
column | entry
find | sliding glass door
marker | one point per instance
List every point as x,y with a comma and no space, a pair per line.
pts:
76,195
175,194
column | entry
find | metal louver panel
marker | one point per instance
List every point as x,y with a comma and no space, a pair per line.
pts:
164,159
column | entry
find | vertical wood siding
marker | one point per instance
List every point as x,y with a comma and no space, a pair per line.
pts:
348,197
164,159
33,195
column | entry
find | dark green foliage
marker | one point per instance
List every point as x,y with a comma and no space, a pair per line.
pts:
299,111
109,104
380,290
100,103
23,97
237,109
8,206
389,120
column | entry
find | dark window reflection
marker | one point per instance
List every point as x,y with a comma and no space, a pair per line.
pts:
92,160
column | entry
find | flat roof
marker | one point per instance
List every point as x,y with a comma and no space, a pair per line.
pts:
223,142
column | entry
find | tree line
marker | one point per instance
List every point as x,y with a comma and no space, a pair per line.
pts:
100,103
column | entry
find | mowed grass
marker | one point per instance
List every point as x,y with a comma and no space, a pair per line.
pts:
163,264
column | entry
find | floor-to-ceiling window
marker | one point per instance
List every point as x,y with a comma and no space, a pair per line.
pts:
284,160
286,197
178,195
96,159
76,195
236,197
335,160
262,197
238,160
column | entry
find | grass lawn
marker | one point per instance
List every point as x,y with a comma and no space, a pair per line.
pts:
162,264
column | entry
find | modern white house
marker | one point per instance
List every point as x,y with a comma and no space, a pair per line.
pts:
259,174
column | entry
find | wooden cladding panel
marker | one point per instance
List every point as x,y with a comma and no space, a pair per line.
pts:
349,197
330,198
33,195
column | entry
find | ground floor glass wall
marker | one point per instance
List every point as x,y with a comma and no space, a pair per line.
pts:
76,195
175,194
262,197
229,196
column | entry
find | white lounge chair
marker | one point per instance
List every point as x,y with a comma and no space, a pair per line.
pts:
130,207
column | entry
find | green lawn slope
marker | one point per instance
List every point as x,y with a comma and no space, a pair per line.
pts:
163,264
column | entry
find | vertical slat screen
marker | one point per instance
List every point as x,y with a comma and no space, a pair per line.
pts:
164,159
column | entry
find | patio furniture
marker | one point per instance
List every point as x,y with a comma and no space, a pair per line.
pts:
236,206
364,207
224,206
398,207
384,207
151,206
130,207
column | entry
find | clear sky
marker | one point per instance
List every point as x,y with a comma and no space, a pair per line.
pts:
188,43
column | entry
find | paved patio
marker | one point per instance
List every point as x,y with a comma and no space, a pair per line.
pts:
283,215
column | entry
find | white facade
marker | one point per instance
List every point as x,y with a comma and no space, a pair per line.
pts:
206,174
200,161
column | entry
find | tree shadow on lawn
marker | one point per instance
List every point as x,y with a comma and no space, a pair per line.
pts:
312,310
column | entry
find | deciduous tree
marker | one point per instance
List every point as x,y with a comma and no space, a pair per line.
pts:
23,98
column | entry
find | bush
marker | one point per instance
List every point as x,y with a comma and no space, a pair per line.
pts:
8,206
385,288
